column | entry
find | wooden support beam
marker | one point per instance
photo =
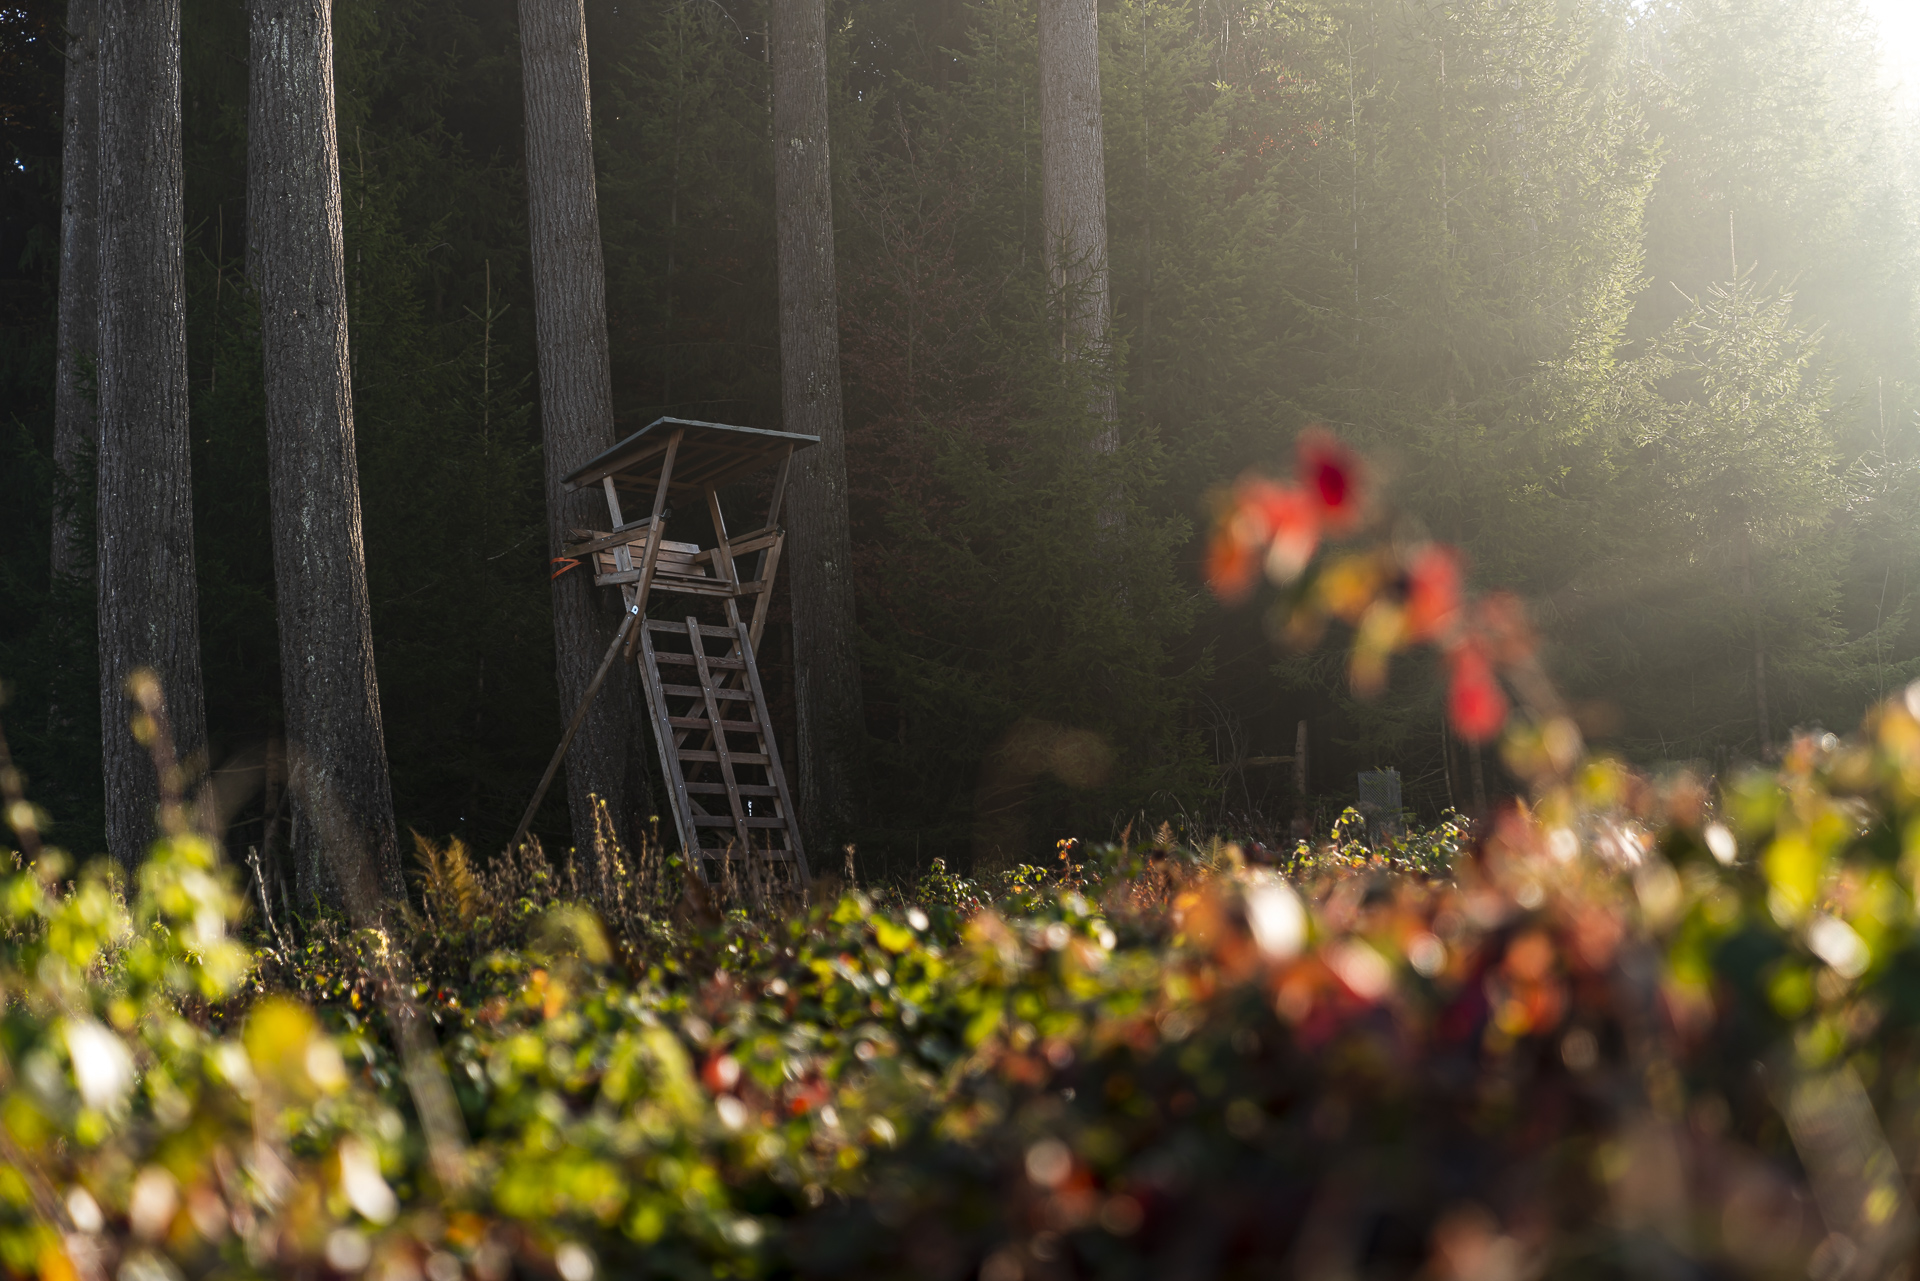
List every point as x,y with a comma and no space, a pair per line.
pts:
573,727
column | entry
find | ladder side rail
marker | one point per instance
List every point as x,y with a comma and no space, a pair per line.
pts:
656,532
669,751
776,773
719,737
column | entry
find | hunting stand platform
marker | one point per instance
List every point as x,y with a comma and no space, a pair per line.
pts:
704,698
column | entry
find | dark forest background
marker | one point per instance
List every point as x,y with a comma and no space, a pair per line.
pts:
1620,298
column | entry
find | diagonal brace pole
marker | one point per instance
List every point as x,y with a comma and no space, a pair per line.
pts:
573,727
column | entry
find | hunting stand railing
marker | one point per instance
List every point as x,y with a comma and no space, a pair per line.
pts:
705,702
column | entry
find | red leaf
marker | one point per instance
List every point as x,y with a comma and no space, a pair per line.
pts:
1229,566
721,1073
1333,477
1433,591
1288,521
1475,702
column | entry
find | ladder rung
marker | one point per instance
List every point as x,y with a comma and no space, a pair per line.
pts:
718,852
694,691
738,758
728,664
745,789
721,820
700,722
680,629
691,586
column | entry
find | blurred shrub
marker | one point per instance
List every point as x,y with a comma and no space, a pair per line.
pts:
1636,1026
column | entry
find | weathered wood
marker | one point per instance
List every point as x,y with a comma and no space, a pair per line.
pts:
681,457
720,738
573,727
775,772
670,758
700,722
746,789
715,454
659,529
765,588
601,542
739,758
693,691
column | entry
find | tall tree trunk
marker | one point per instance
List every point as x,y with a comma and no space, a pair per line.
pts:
1073,195
148,602
826,665
347,855
608,758
1761,719
78,334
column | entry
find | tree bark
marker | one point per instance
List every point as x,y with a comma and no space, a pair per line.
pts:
148,603
608,758
1073,196
78,334
348,854
826,665
1762,721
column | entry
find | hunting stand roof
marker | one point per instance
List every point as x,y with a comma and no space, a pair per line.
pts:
711,455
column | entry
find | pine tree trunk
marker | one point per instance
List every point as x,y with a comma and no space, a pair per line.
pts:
826,665
348,854
608,757
148,602
78,334
1761,719
1073,194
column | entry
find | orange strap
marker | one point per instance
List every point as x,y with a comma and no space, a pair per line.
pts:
565,563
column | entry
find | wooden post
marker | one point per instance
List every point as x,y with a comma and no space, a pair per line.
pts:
657,532
1301,819
573,726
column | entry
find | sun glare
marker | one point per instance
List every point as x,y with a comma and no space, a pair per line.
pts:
1899,23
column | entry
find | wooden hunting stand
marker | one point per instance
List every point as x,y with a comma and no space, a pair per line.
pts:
717,748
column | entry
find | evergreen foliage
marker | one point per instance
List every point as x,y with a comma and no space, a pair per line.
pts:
1620,296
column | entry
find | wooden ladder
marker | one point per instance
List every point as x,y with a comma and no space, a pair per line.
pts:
730,800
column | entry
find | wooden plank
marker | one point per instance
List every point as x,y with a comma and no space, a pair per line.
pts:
601,542
719,789
605,472
727,664
738,758
770,564
657,531
693,691
701,722
721,820
779,489
663,739
771,854
723,566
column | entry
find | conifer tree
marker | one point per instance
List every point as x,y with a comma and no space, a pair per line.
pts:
1073,195
826,668
346,852
576,400
148,597
75,436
